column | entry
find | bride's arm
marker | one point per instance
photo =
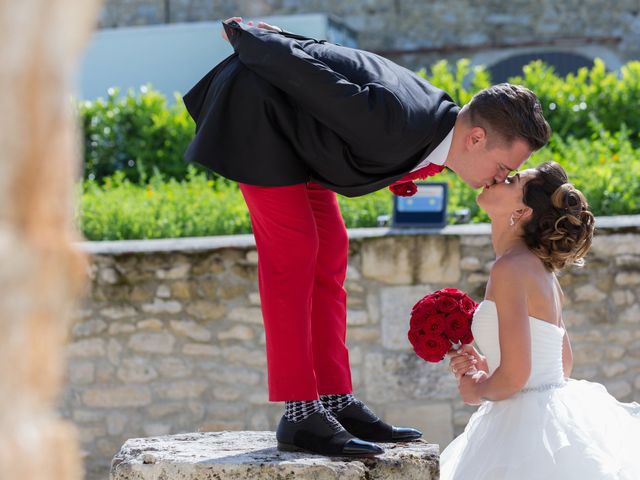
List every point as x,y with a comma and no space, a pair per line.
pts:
509,292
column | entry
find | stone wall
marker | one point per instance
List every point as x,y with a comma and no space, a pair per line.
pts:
416,32
169,338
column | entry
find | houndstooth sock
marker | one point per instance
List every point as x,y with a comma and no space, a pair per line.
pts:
296,411
335,403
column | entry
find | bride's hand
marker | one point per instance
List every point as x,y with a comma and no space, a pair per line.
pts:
468,387
466,359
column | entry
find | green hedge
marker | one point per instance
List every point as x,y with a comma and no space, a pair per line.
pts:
580,105
606,170
136,133
138,186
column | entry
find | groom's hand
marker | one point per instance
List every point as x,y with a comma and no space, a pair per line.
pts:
264,25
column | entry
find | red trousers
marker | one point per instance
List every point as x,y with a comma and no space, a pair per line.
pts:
302,262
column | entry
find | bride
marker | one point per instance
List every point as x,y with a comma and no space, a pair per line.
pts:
534,422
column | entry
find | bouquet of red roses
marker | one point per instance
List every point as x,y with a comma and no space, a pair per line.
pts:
439,321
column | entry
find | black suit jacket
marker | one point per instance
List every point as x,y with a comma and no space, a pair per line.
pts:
286,109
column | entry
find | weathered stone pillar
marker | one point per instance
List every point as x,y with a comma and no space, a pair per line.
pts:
40,273
252,455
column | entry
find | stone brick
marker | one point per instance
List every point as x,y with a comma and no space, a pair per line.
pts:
118,312
163,291
191,329
116,422
622,297
238,332
439,259
162,306
470,263
152,342
357,317
252,257
173,367
117,396
206,310
589,293
628,278
613,369
388,260
631,314
91,347
200,349
89,328
114,351
396,312
136,370
150,324
174,273
181,390
81,372
246,315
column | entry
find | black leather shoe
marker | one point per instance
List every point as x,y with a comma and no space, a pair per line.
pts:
320,433
360,421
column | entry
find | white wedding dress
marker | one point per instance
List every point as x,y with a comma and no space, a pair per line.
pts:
552,429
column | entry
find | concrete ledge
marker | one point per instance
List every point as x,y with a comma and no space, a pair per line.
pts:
252,455
623,223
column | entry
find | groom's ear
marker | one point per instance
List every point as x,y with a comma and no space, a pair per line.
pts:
477,138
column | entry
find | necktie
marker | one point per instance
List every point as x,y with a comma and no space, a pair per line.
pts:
406,187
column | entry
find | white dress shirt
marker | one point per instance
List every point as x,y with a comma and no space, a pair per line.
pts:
439,154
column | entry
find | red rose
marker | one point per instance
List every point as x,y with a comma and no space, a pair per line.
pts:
431,348
457,327
428,325
467,305
447,304
454,292
467,339
406,189
426,306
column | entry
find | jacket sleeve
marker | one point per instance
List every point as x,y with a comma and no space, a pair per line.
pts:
358,113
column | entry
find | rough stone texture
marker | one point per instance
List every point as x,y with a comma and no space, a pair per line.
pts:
251,455
133,373
417,33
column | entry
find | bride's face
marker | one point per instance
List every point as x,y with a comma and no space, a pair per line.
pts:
503,199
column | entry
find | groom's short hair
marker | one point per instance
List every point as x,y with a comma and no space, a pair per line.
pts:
510,111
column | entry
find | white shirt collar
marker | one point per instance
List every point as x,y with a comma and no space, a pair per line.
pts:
439,154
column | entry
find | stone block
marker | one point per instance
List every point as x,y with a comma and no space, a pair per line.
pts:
205,310
628,278
388,260
589,293
152,342
438,257
253,455
117,397
396,304
191,329
162,306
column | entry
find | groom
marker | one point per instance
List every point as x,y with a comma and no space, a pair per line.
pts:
294,121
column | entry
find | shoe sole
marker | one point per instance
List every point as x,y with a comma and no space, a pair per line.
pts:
285,447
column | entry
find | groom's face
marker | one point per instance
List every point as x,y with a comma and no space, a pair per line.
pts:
488,163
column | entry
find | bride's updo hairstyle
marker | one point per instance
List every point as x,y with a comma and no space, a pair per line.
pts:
560,230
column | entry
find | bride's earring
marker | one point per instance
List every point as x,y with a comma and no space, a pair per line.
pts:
512,221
